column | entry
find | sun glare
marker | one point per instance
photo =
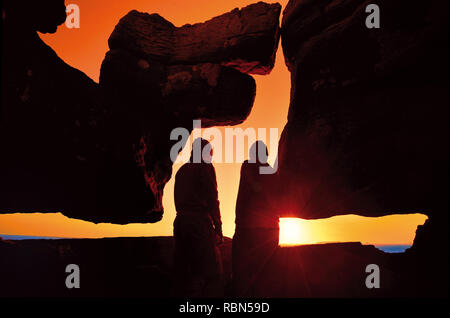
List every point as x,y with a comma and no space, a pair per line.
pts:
291,232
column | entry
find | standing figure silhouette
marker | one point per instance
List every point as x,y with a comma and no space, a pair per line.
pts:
197,226
257,230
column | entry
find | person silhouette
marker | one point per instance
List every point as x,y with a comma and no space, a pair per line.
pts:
257,230
197,226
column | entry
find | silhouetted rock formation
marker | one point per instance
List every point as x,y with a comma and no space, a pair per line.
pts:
101,152
368,125
42,16
367,131
50,120
428,258
245,39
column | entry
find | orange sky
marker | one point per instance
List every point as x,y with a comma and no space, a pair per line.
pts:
85,48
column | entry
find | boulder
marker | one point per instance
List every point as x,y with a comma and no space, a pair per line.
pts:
367,131
245,39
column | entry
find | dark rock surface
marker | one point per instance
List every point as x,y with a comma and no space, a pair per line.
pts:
248,38
100,152
42,16
143,267
368,122
367,131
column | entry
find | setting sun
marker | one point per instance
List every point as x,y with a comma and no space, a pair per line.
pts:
291,232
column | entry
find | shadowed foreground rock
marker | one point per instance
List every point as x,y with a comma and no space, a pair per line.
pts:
142,267
100,152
